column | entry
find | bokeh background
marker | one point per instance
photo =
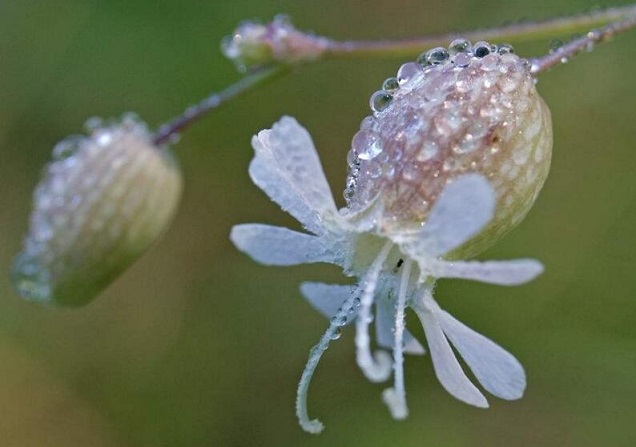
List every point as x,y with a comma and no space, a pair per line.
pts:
197,345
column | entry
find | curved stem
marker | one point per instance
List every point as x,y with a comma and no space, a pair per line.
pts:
197,111
584,43
515,32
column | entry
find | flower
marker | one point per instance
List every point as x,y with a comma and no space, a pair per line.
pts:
101,203
412,217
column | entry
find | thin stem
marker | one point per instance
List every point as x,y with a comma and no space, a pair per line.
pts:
212,102
395,397
515,32
576,46
379,368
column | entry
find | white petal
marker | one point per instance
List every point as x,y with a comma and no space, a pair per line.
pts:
384,329
505,273
497,370
463,208
287,168
327,298
280,246
447,368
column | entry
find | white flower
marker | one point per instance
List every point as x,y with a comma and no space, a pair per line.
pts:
394,270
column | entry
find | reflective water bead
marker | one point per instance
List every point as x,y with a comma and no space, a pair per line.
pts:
366,144
481,49
462,60
437,56
459,46
505,49
368,122
380,100
407,72
336,334
352,158
390,84
67,147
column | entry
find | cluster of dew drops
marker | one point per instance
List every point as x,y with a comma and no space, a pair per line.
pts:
366,144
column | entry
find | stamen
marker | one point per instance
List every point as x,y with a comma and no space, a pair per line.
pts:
395,397
375,369
314,426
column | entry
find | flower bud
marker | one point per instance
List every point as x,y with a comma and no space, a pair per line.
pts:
465,109
253,44
101,203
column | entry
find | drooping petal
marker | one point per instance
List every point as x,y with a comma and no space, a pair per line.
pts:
499,372
287,168
271,245
505,273
447,368
328,298
464,207
384,329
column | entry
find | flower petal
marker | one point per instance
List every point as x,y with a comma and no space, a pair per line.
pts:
271,245
447,368
327,298
505,273
463,208
384,329
287,168
497,370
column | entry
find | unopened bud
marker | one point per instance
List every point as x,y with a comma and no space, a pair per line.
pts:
102,202
253,44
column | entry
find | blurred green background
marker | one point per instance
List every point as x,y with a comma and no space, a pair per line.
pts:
197,345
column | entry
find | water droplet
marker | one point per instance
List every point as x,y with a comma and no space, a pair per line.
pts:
428,151
407,72
93,124
352,158
459,46
368,123
462,60
437,56
366,144
505,49
481,49
390,85
356,302
380,101
67,147
336,334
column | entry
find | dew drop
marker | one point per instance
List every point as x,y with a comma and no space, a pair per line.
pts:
390,85
380,101
407,72
437,56
481,49
505,49
462,60
366,144
459,46
336,334
67,147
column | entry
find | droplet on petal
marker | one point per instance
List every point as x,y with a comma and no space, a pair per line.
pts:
101,203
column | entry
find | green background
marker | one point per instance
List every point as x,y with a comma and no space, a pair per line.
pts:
197,345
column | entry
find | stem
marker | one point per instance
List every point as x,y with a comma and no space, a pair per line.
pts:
515,32
576,46
198,111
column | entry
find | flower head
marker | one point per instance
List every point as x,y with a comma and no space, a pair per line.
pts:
414,211
102,201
